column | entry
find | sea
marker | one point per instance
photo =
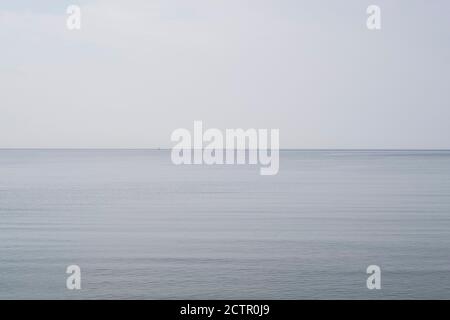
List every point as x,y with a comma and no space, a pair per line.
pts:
140,227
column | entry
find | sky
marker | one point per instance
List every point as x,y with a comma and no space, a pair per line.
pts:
139,69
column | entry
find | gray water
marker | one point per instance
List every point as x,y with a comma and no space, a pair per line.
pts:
141,227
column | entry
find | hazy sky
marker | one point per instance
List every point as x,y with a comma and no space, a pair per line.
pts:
139,69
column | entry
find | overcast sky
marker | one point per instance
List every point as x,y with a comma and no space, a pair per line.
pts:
137,70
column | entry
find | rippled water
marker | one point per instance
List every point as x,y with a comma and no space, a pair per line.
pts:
140,227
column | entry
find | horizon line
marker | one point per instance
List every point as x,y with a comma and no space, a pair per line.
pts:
280,149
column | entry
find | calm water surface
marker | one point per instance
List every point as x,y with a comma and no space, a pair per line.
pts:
140,227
